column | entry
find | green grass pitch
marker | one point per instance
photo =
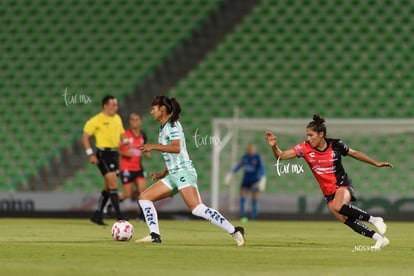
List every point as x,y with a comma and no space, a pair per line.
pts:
196,247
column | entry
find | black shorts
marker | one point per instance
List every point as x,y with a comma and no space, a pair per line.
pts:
108,160
346,183
131,176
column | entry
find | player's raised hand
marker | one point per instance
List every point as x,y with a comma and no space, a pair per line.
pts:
384,164
271,139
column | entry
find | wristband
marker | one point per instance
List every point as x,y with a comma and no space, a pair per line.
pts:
125,141
89,151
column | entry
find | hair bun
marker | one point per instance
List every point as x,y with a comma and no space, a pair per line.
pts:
318,118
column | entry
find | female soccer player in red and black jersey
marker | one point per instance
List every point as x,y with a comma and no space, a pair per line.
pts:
131,168
323,156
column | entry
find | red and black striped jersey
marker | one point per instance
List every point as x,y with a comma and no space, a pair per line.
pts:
326,165
135,142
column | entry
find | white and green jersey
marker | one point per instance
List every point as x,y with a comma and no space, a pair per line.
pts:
174,161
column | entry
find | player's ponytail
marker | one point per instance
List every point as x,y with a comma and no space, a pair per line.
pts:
318,124
176,110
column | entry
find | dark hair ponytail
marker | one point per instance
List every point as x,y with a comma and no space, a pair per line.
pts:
172,106
176,110
318,124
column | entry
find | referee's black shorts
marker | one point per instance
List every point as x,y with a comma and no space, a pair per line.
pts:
108,160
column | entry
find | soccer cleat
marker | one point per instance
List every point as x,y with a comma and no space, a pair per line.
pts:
380,225
238,235
153,237
380,244
97,218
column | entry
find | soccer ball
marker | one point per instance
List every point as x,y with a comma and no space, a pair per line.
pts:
122,230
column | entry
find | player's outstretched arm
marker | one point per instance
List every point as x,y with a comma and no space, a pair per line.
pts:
358,155
174,147
278,153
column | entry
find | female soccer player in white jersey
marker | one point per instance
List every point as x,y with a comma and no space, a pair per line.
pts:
178,175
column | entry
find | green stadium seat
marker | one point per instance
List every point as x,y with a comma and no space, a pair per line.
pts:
50,47
313,61
286,59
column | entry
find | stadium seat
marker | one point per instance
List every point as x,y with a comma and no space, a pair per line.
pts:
314,62
286,59
50,46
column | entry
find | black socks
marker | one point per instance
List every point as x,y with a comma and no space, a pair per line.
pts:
103,199
360,227
355,218
354,212
113,194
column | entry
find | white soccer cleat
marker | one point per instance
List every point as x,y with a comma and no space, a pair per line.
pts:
153,237
238,235
144,239
381,243
380,225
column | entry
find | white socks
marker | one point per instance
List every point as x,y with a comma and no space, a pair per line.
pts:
213,216
372,219
200,210
377,236
150,214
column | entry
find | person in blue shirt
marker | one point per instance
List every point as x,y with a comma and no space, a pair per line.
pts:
254,180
